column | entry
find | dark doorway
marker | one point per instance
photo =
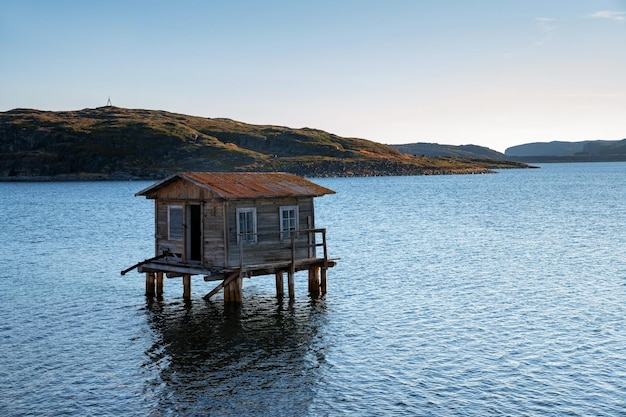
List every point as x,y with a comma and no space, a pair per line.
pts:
194,233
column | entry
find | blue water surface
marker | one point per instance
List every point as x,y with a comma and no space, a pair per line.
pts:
473,295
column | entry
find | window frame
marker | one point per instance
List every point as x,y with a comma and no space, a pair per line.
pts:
170,235
250,238
285,234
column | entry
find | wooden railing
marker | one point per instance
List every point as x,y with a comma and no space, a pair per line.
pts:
313,242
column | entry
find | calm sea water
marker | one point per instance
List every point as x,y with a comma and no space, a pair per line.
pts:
480,295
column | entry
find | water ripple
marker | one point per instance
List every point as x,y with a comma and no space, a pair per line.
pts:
498,295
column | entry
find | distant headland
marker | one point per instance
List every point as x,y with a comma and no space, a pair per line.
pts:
559,151
113,143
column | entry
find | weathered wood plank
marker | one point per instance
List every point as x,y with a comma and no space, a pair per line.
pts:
150,284
187,286
280,286
222,284
159,284
314,280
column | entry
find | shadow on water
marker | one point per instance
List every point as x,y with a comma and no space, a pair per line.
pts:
260,358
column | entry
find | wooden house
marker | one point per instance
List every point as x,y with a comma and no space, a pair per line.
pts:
227,226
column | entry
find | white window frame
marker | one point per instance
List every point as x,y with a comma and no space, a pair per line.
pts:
285,233
249,238
171,236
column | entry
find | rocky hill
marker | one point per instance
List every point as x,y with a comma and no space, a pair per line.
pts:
559,151
462,151
116,143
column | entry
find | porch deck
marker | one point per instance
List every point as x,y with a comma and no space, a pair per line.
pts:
231,277
177,269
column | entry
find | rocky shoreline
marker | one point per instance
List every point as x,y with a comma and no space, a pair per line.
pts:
332,170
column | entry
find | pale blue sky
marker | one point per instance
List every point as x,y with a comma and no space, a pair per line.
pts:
493,73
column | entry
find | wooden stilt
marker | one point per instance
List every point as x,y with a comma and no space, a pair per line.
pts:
186,286
314,280
292,269
221,285
280,286
159,284
323,280
227,293
149,284
234,290
291,284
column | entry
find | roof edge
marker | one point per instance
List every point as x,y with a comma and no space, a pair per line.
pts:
191,177
158,184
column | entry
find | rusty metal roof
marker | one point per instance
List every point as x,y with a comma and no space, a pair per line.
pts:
245,185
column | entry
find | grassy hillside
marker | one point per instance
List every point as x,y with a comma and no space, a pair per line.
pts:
116,143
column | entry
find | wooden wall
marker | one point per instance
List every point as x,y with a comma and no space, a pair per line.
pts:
214,246
219,245
269,247
213,243
163,243
184,190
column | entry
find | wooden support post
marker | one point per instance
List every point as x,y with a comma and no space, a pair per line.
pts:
214,291
238,284
324,269
221,285
159,284
186,286
314,280
227,293
232,291
323,280
149,284
291,284
292,268
280,286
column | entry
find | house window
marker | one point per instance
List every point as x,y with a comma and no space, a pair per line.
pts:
175,222
288,221
246,225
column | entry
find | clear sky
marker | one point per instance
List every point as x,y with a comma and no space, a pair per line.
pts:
495,73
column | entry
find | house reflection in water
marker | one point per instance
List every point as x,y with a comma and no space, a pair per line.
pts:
264,357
